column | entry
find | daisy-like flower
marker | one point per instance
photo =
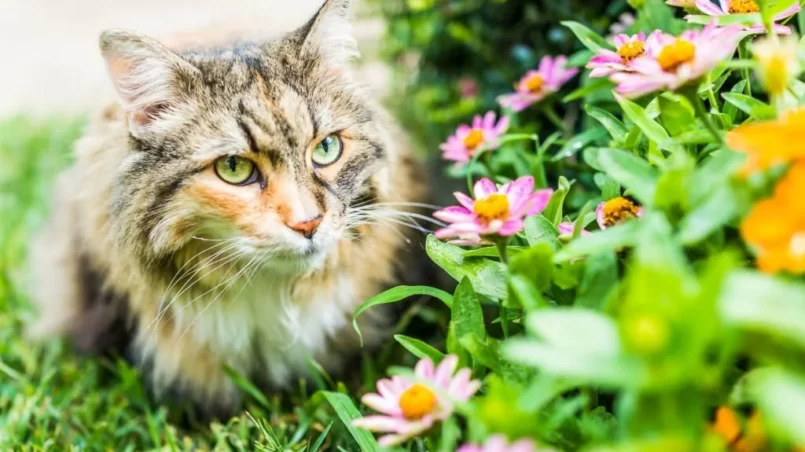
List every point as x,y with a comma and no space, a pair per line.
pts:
566,229
482,134
778,64
536,85
727,7
628,49
494,211
498,443
616,211
769,143
410,408
679,61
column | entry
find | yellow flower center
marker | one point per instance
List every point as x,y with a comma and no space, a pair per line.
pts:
494,207
776,74
534,83
743,6
619,209
417,401
677,53
631,50
473,139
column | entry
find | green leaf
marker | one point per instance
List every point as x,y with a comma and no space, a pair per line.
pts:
576,330
611,239
599,84
484,352
526,293
578,142
535,263
749,105
718,210
771,8
247,386
630,171
419,348
587,37
600,277
539,229
467,315
727,19
396,294
676,115
765,304
347,412
553,211
780,395
648,126
487,276
613,125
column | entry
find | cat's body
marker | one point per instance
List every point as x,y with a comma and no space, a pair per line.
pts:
153,249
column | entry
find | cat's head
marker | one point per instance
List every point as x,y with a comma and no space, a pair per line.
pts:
267,146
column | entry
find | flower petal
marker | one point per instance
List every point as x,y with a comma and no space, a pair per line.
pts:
424,368
483,188
599,215
382,404
380,423
445,371
511,227
454,214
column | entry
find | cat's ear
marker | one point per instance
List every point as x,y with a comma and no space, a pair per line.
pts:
152,82
329,34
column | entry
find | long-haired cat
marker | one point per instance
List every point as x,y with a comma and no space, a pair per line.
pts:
233,208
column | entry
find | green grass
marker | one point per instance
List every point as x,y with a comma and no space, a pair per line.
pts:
50,399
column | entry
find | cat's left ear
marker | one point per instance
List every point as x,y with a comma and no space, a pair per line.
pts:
329,34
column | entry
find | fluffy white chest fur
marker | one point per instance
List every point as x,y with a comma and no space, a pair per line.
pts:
262,323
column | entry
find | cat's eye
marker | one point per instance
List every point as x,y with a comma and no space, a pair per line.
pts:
327,151
236,170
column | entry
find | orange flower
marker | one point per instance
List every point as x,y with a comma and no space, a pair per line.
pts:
769,143
739,436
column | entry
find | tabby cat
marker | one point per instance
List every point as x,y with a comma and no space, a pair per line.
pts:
232,209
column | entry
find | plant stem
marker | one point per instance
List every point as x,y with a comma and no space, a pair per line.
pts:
552,116
504,319
705,117
743,54
502,244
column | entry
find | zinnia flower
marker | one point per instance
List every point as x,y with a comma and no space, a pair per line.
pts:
778,64
628,49
727,7
536,85
616,211
482,135
498,443
566,229
494,211
769,143
410,408
678,60
775,227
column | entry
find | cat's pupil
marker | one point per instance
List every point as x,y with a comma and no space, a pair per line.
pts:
325,145
232,163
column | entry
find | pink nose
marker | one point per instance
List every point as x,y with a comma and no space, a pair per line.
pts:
308,227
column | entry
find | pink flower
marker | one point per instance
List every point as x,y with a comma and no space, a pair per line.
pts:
679,60
566,229
410,407
498,443
468,87
494,211
536,85
482,135
625,21
628,49
727,7
616,211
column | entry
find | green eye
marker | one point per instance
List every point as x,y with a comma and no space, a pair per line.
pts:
327,151
235,170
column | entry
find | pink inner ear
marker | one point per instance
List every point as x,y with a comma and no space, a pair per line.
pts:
149,114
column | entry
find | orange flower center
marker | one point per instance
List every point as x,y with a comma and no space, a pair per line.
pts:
417,401
619,209
743,7
494,207
631,50
677,53
474,139
534,83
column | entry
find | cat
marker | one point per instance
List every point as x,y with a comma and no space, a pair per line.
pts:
233,208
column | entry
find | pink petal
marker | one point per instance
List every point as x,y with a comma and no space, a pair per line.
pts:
477,122
445,371
725,5
511,227
620,40
464,200
390,406
489,120
424,368
463,130
380,423
599,215
707,7
483,188
566,228
545,66
387,388
454,214
788,12
503,124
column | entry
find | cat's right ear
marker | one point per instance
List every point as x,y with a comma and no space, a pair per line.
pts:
151,82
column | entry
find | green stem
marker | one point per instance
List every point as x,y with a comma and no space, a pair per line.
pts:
743,54
701,111
711,96
502,244
504,319
552,116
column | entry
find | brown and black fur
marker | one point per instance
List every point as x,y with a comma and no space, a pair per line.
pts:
142,209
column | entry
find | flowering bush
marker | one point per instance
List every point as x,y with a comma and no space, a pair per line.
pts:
634,280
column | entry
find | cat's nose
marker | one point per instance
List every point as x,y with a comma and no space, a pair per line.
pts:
308,227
